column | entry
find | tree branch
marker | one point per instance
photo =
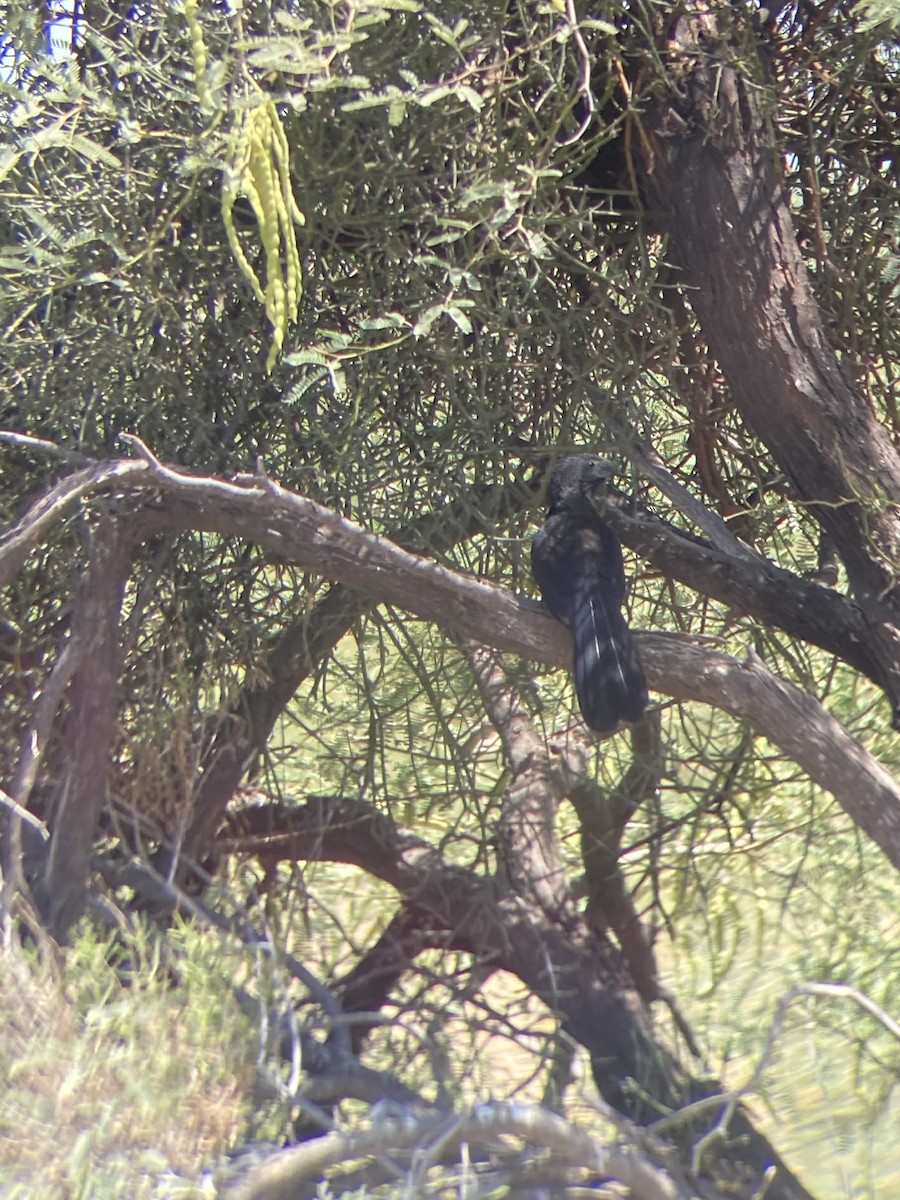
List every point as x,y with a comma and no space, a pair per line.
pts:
320,540
90,726
437,1135
526,833
553,958
51,508
757,588
602,817
712,168
305,642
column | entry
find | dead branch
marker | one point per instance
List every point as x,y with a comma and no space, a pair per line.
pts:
49,510
729,1101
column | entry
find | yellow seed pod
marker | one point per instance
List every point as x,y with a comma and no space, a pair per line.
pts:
259,169
230,193
198,54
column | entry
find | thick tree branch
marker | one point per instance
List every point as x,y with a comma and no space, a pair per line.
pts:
305,642
712,170
321,541
756,587
89,728
748,584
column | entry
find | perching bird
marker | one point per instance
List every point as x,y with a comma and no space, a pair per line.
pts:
577,563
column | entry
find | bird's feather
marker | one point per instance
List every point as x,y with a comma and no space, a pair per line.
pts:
609,681
577,563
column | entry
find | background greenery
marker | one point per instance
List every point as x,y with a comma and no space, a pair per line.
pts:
467,302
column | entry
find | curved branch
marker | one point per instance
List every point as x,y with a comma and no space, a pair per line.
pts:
793,720
434,1136
51,508
756,587
509,931
321,541
306,641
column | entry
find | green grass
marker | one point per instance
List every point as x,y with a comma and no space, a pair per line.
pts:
117,1084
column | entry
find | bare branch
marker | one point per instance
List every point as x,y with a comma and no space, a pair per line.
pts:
791,719
25,441
730,1100
439,1136
305,642
18,542
23,814
320,540
512,931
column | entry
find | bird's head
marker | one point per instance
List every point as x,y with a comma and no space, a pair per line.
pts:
577,479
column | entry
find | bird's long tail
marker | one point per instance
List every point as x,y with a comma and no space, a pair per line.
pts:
609,679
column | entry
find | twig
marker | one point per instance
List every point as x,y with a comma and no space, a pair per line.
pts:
651,467
23,814
584,83
728,1101
244,485
26,442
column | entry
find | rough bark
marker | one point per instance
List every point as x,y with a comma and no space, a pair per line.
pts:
710,166
89,728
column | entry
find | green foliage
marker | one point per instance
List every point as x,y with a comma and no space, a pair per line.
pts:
879,13
466,303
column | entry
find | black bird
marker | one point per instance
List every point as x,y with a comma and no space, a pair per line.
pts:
577,563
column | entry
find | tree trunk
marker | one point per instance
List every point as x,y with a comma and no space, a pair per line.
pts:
711,170
89,729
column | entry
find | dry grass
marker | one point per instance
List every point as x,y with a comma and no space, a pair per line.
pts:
116,1088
